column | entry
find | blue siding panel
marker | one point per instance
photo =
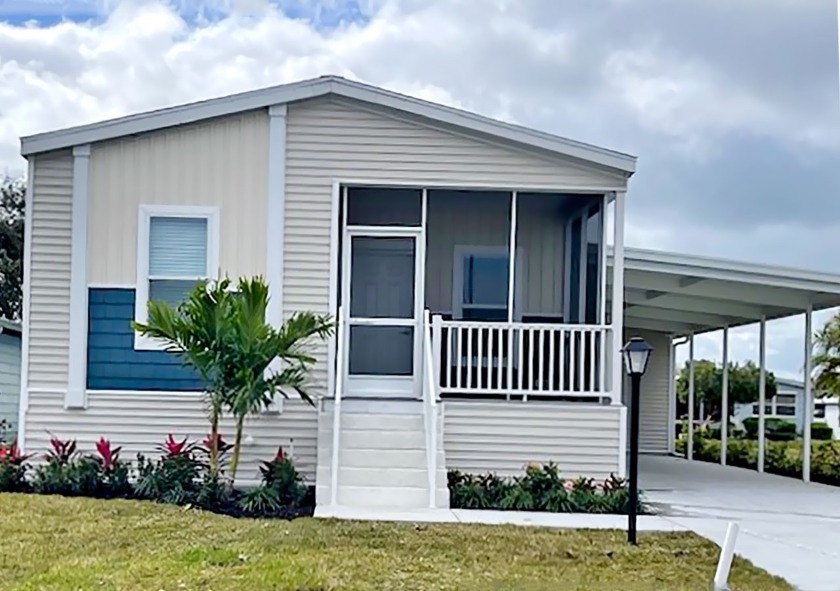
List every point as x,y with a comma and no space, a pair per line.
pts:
113,364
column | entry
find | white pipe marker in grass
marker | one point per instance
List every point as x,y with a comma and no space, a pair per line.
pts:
727,552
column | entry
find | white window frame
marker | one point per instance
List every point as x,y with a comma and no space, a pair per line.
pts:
463,250
144,220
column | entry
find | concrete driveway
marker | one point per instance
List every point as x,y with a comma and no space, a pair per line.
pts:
788,528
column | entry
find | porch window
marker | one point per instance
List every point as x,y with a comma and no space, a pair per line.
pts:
481,284
177,249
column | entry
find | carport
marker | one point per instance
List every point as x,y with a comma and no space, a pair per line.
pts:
668,296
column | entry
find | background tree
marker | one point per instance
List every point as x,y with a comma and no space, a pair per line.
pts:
708,386
827,358
12,194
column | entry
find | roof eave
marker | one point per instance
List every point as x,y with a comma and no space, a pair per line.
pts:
218,107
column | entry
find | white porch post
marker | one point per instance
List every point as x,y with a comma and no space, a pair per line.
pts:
617,296
512,254
724,399
514,204
809,400
690,429
762,388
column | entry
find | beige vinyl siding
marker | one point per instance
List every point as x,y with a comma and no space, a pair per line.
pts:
140,421
654,419
477,219
221,162
503,437
9,381
335,139
50,269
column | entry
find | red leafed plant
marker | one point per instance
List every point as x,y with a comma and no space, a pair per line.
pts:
108,456
174,449
10,455
62,451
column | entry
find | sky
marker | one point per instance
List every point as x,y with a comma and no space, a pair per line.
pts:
731,105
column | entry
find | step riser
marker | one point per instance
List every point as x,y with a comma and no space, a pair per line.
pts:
384,497
377,439
375,422
376,477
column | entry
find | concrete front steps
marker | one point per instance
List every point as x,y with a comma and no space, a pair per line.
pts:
382,456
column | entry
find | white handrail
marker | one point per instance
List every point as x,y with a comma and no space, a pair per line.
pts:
430,410
339,386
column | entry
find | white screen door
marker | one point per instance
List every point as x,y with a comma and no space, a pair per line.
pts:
383,316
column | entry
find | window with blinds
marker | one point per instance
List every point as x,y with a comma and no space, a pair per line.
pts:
177,257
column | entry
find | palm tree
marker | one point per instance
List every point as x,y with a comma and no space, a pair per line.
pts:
827,358
265,360
197,331
242,360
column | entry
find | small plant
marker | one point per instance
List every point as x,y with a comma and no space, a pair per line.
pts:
175,478
63,473
260,501
114,472
12,468
281,476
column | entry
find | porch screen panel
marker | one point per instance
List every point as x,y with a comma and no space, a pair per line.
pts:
384,206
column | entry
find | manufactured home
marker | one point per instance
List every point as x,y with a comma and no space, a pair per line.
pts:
476,268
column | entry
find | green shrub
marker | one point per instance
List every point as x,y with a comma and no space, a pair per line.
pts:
821,432
175,478
12,469
780,457
541,488
774,429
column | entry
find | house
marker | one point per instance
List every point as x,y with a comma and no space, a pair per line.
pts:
477,269
789,404
10,335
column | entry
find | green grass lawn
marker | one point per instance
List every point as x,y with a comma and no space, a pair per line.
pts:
58,543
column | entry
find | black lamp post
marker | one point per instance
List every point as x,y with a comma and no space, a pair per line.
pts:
636,354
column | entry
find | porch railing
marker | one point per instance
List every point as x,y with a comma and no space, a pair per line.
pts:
521,359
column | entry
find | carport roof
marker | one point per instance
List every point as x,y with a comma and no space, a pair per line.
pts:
680,294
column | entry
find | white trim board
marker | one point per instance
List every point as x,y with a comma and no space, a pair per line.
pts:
76,396
23,401
326,85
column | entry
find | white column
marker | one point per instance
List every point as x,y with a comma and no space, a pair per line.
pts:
275,213
672,393
724,399
76,395
762,388
617,296
512,253
690,429
809,400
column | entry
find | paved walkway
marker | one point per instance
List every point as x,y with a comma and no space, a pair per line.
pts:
788,528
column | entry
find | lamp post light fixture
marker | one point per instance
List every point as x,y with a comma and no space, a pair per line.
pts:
636,354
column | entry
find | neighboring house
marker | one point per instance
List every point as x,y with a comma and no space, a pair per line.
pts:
789,404
10,334
482,295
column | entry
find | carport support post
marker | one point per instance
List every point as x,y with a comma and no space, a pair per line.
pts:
809,400
690,429
724,399
762,387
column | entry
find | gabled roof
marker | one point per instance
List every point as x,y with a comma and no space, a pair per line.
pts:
286,93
